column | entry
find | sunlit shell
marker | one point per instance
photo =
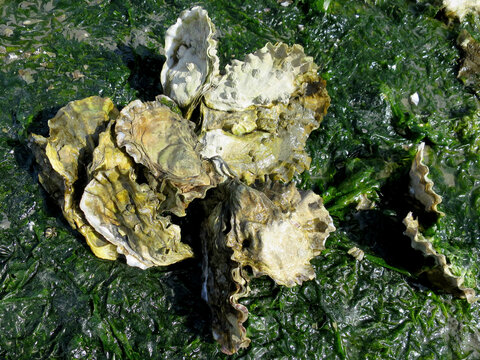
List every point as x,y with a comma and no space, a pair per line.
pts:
460,8
277,230
63,159
126,213
192,60
440,274
421,187
159,138
259,115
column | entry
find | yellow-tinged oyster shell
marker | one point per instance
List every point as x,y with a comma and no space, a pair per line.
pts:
159,138
421,187
63,156
126,213
259,115
192,60
440,275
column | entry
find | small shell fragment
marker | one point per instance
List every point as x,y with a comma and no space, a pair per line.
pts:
356,253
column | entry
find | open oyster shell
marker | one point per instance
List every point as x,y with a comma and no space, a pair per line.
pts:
192,60
258,116
421,187
126,213
440,275
63,158
159,138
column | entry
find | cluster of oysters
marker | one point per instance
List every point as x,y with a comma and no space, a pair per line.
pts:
120,176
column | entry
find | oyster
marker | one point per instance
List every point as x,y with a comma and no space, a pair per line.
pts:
440,274
275,230
470,67
461,8
421,187
64,156
160,139
192,60
258,116
125,212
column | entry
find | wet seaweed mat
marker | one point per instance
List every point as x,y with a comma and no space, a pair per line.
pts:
58,301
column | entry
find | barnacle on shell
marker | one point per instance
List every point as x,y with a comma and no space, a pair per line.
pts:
421,187
64,156
126,213
440,274
192,60
163,141
258,116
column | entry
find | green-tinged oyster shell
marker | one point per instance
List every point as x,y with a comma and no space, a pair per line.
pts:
469,70
192,60
440,274
259,115
421,187
64,156
126,213
159,138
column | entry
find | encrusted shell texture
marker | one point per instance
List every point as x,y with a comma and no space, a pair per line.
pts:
421,187
125,212
260,126
440,274
192,60
73,135
460,8
160,139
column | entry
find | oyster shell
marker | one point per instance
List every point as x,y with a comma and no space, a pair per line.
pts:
440,275
225,282
460,8
125,212
275,230
258,116
192,60
64,156
159,138
421,187
469,70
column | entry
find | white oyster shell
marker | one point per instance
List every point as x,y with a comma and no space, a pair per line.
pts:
258,116
461,8
269,75
440,275
192,60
